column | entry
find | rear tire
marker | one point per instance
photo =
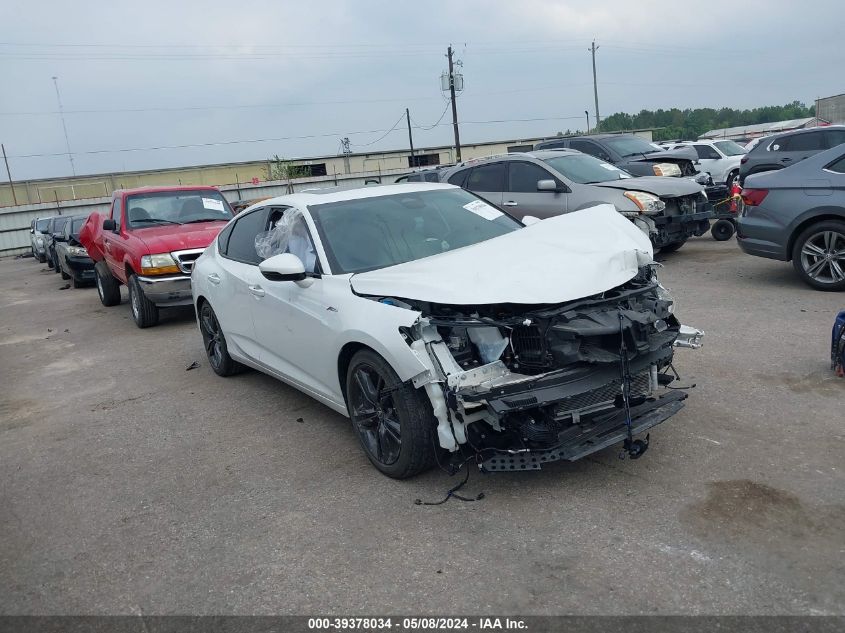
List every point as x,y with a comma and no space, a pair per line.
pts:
671,248
144,311
722,230
392,419
215,344
107,286
819,255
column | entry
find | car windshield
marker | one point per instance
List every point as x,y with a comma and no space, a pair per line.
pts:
585,169
77,225
729,148
59,224
630,145
41,225
176,207
376,232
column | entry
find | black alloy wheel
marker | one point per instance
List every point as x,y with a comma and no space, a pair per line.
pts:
374,415
215,344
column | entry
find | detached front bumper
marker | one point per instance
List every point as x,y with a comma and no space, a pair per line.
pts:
580,440
673,228
167,291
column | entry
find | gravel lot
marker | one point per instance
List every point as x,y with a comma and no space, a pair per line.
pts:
130,485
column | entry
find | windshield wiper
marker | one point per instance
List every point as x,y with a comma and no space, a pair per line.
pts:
206,220
154,221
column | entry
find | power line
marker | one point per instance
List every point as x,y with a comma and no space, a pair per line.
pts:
282,138
398,121
431,127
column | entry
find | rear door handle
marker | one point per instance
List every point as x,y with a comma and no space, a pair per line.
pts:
258,291
214,278
509,203
785,160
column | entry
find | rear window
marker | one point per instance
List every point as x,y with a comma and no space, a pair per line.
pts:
41,225
810,142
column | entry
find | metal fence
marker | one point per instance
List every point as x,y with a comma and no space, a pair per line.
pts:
15,221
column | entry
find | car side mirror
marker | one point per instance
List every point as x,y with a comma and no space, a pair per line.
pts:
528,220
546,185
285,267
109,225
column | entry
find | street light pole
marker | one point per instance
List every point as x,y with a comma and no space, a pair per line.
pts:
588,121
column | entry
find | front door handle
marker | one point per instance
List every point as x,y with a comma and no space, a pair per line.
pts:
214,278
785,160
509,203
258,291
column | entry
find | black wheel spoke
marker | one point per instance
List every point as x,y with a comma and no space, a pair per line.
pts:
374,415
366,386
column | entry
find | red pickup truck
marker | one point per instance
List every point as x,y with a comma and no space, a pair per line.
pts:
148,241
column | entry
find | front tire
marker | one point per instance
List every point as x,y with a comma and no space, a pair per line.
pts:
215,344
722,230
144,311
107,286
41,258
819,255
393,420
63,273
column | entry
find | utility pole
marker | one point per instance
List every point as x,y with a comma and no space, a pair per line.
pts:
8,173
454,106
344,146
588,120
593,50
410,137
64,127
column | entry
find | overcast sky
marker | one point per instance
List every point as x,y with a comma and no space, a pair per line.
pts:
138,75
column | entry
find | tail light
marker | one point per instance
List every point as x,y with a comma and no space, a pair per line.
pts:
753,197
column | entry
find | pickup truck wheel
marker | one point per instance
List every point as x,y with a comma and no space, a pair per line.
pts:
393,420
215,344
671,248
107,286
144,311
819,255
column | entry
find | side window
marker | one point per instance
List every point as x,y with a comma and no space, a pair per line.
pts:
588,147
705,151
287,233
813,141
523,177
223,239
241,244
115,212
458,178
837,166
487,178
834,137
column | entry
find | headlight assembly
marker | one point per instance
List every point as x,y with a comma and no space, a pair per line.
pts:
159,264
647,203
77,251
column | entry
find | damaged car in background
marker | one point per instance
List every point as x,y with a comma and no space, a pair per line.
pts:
446,330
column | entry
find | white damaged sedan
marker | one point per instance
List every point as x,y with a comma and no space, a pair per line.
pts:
445,329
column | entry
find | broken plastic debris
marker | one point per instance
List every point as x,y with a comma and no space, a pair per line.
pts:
193,365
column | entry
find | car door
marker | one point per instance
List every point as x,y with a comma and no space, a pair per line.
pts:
488,181
796,147
522,197
709,160
236,283
296,324
114,242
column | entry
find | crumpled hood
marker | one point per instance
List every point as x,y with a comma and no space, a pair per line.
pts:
561,259
172,237
685,153
662,186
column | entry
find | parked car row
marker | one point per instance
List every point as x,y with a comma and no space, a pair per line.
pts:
55,241
422,311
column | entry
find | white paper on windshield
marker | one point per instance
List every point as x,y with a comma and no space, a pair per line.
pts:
483,210
211,203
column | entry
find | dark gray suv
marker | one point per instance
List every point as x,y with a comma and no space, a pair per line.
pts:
551,182
782,150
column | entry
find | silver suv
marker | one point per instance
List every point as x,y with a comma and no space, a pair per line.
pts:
546,183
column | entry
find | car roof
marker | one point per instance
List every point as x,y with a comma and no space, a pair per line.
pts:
537,154
336,194
806,131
